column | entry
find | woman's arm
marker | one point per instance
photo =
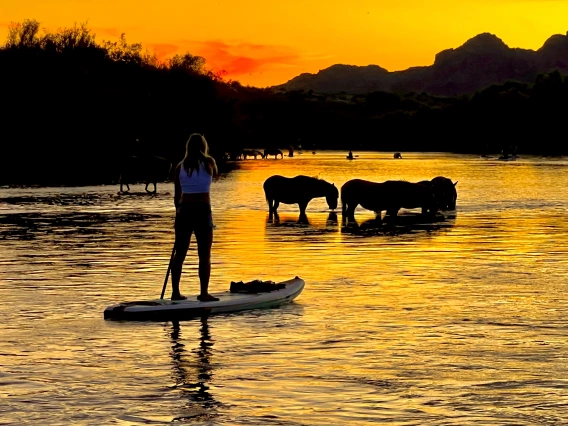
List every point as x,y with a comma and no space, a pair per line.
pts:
213,167
177,186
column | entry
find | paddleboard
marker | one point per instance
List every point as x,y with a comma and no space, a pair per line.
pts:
166,309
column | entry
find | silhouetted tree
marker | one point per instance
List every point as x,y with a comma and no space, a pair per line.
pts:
72,107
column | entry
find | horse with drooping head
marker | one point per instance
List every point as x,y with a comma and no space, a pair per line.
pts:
444,191
251,153
149,169
273,151
298,190
391,195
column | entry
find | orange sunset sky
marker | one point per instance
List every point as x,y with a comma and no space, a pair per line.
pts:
263,43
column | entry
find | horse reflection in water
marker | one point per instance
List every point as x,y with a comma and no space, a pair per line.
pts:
192,376
298,190
408,223
274,219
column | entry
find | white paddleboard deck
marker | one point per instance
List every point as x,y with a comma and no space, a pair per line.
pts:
166,309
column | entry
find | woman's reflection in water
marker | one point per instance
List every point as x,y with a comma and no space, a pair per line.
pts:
193,372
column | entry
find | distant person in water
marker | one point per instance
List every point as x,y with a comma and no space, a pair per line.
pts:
350,155
193,177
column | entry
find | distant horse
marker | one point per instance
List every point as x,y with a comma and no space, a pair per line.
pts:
273,151
148,169
444,191
391,196
298,190
251,153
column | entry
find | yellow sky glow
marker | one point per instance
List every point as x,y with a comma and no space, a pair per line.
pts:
262,43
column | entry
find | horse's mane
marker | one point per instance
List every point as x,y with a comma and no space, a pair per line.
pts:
315,177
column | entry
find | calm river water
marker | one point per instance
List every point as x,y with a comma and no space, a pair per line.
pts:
458,322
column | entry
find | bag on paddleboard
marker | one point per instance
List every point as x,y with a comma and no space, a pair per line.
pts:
255,286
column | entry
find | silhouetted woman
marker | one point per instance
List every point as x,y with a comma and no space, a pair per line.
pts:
193,177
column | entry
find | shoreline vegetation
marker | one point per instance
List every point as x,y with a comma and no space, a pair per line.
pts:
75,109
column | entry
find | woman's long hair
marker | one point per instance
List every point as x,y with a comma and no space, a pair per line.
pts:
196,153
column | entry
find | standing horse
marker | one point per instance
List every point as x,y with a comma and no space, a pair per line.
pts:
391,196
148,169
444,190
251,153
298,190
273,151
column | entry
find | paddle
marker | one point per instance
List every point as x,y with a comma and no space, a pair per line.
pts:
168,273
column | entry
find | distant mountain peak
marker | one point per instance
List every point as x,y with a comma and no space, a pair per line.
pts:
481,61
485,42
556,43
361,69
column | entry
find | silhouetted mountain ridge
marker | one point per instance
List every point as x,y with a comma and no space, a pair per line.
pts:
481,61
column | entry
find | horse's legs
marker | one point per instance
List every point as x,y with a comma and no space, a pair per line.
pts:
155,187
351,212
122,183
302,205
275,208
348,212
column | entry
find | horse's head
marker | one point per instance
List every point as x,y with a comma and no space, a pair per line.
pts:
332,196
452,196
445,191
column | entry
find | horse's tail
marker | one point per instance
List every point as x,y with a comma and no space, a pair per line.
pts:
265,188
343,201
267,196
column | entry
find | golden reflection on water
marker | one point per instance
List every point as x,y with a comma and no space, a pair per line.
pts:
457,321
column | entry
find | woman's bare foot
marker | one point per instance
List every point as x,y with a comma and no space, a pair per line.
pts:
207,298
178,297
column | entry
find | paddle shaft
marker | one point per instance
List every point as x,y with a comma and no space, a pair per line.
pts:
168,273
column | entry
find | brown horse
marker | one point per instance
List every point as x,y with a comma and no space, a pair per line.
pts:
298,190
251,153
273,151
391,196
148,169
444,190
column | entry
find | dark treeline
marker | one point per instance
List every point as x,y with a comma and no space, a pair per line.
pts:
73,108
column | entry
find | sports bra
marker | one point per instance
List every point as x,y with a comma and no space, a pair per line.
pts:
198,182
